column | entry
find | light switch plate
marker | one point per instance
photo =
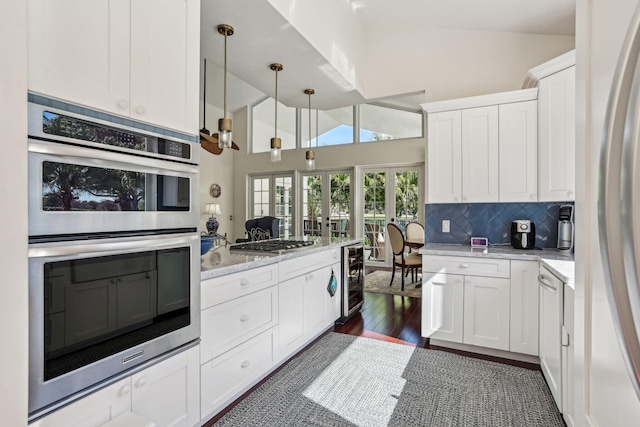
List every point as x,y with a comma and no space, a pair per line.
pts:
446,226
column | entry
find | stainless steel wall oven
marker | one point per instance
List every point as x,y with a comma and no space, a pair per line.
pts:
114,271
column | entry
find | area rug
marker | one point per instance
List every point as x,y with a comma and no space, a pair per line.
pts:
343,380
378,281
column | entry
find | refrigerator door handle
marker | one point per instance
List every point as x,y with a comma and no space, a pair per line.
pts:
615,221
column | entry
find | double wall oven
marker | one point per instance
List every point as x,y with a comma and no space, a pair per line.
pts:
113,249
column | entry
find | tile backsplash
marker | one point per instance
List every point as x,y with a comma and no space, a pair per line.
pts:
491,220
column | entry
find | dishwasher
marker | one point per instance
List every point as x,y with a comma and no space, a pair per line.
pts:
352,296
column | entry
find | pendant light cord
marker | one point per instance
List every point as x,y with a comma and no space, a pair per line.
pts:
225,74
316,127
276,120
309,119
204,97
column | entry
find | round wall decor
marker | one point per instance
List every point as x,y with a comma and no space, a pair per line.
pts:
214,190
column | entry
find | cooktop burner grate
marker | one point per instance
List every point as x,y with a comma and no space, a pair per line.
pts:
270,245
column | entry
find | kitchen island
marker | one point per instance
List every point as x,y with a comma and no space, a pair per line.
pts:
258,310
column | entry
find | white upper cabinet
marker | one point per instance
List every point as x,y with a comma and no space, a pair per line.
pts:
444,157
137,59
556,136
472,144
518,152
480,154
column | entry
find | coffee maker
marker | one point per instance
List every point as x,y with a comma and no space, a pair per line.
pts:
565,228
523,234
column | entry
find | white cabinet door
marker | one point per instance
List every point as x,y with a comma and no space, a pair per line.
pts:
442,306
93,410
551,289
165,49
290,332
317,302
169,393
444,157
480,154
524,307
486,312
568,350
556,136
518,148
78,51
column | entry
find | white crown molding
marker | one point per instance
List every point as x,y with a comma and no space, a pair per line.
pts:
481,101
553,66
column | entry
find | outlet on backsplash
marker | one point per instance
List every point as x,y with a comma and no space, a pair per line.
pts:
446,226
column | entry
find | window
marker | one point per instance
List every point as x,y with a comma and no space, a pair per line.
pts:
263,126
378,123
335,127
261,187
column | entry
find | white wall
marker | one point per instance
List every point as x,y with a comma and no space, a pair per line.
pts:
452,64
334,30
13,224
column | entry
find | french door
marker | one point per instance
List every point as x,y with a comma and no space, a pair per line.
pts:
389,195
272,195
326,204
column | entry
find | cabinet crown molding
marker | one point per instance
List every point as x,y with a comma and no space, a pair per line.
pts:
481,100
548,68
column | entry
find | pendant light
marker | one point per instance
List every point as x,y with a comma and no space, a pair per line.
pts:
224,124
276,143
310,155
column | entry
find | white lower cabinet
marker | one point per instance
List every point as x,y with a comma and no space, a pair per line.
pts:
486,312
227,376
523,336
442,307
485,302
568,350
550,350
166,393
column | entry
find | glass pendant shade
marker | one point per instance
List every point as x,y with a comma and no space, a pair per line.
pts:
224,133
310,160
276,149
224,124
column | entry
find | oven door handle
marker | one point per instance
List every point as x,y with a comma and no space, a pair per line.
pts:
115,246
87,156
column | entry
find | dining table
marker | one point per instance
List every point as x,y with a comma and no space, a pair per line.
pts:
414,243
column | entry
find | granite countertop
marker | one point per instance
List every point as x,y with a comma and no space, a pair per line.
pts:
220,261
560,263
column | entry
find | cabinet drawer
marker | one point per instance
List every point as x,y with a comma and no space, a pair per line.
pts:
229,324
225,288
304,264
228,375
468,266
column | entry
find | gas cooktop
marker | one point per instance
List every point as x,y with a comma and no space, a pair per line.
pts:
275,245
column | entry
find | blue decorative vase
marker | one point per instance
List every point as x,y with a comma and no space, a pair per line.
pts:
212,225
205,244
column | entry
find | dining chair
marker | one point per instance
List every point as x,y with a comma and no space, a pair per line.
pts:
415,232
410,261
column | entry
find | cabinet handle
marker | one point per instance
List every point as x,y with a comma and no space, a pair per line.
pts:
244,282
565,337
464,265
244,317
464,198
335,255
124,390
245,364
455,198
140,110
123,104
570,194
549,286
459,281
532,196
142,381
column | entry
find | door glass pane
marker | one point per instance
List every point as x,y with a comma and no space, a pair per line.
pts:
406,197
260,197
374,214
312,205
340,198
284,205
